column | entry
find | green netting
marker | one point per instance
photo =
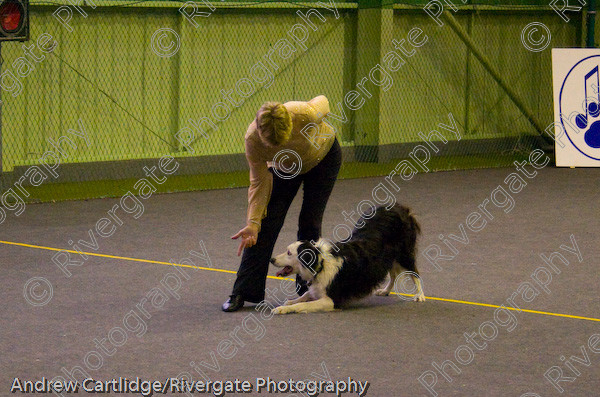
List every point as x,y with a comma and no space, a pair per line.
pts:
127,83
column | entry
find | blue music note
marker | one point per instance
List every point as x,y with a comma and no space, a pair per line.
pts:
592,135
593,108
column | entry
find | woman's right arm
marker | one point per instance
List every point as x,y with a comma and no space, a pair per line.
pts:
261,183
259,193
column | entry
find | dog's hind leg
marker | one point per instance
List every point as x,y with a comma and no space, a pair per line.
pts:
409,267
320,305
403,274
419,296
394,271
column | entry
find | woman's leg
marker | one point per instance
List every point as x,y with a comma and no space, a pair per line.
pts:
252,274
318,184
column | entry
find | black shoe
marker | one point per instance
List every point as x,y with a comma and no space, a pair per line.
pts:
234,303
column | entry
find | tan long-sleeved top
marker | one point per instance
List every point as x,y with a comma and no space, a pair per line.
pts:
310,146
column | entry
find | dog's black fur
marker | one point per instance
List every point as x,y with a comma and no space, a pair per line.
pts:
387,235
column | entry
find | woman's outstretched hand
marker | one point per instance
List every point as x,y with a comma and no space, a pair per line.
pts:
249,234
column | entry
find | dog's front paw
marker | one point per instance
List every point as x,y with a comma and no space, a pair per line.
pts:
382,292
419,298
281,310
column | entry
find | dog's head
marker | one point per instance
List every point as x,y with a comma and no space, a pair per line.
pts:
301,258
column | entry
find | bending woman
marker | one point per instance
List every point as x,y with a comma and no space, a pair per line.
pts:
314,159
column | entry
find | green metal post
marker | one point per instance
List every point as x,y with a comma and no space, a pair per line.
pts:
175,91
468,80
591,23
368,53
1,170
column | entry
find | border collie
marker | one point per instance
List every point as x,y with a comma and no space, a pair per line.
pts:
339,272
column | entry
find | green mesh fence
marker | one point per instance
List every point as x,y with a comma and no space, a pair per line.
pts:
106,88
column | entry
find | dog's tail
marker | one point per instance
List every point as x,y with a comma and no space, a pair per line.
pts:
408,218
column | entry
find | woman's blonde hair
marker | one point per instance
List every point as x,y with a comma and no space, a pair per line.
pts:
274,123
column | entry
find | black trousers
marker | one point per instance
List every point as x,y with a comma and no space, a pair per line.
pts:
318,184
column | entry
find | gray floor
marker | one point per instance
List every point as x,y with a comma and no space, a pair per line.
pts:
387,341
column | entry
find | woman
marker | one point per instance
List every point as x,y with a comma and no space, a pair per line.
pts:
286,145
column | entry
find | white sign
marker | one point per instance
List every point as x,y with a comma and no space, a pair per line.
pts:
576,79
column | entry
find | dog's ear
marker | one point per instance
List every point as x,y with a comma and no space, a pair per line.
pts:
310,257
319,266
319,262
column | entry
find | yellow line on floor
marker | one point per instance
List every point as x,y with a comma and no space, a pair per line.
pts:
509,308
283,278
117,257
